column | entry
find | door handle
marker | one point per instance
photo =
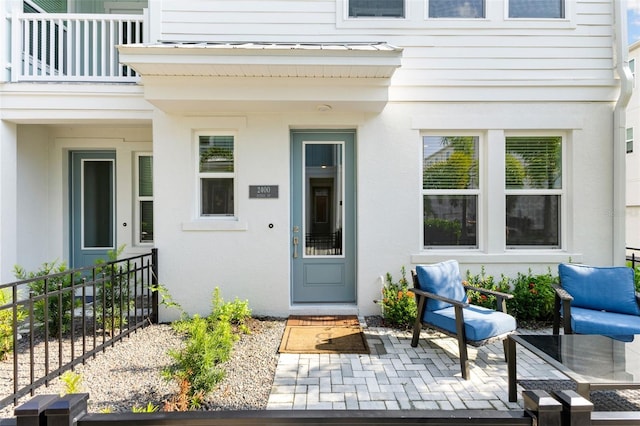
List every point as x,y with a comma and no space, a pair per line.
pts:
295,247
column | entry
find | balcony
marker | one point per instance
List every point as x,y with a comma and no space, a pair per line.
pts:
66,47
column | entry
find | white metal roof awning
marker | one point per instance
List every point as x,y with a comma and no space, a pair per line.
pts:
353,75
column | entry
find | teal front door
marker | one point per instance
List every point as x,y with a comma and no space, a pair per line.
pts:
323,249
92,206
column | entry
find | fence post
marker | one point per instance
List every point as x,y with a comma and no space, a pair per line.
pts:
66,410
31,413
154,283
576,410
542,407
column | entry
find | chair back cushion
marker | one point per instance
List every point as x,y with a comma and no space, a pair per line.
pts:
608,289
442,279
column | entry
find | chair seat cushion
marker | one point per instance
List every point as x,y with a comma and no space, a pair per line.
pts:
601,288
479,323
442,279
589,321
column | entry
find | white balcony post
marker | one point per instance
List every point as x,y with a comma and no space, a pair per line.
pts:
16,50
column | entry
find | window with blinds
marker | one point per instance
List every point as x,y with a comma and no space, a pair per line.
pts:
376,8
533,187
144,198
450,190
549,9
216,174
456,9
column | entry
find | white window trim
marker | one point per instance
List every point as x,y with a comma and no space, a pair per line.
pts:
199,176
138,199
568,16
416,17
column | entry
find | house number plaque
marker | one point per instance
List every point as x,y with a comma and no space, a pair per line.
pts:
263,191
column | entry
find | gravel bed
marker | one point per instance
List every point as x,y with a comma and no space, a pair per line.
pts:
129,373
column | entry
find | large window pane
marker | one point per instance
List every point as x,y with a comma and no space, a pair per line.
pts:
456,8
216,154
533,163
145,176
217,197
450,162
381,8
146,221
536,8
450,220
533,220
98,214
323,194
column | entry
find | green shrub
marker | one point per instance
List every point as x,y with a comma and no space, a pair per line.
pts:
113,299
636,275
72,382
209,343
6,323
236,312
483,281
56,309
198,362
398,302
533,297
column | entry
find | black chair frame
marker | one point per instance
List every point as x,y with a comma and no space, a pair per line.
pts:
460,334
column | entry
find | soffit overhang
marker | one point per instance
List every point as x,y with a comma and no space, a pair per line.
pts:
292,76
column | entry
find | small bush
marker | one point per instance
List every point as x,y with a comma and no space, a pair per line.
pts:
398,302
533,297
198,362
209,344
72,382
485,282
236,312
6,323
56,309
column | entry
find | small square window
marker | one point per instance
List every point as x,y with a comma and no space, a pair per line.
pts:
376,8
536,9
456,9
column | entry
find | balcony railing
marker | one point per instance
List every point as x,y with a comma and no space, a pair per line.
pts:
56,47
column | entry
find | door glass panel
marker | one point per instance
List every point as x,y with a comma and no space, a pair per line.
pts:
323,199
97,204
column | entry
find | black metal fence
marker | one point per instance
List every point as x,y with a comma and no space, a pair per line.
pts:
49,324
633,256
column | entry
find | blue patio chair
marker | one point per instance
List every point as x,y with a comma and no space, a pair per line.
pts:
597,300
443,305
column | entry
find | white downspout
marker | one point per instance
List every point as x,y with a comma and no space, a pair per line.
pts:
619,132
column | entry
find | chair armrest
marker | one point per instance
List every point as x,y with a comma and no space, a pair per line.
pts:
426,294
505,296
562,294
501,298
562,301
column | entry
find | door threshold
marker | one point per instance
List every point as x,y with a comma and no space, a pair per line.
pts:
323,309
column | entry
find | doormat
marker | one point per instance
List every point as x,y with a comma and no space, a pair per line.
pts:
338,334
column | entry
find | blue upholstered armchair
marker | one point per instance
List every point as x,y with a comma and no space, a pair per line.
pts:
443,306
597,300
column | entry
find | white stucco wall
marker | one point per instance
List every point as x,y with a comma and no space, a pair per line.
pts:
248,260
